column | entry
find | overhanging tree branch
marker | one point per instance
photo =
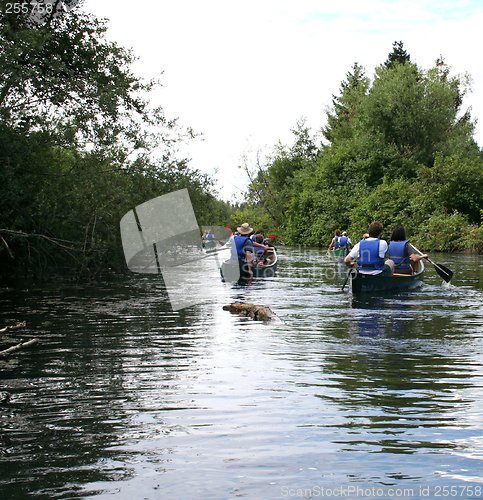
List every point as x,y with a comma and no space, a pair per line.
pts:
56,241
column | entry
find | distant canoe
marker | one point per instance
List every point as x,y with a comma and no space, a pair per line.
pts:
230,271
338,253
368,283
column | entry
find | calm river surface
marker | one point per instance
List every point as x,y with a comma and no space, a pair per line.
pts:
374,397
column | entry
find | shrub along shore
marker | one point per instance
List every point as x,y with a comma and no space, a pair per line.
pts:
397,148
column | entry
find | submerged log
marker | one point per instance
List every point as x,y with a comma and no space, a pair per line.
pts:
22,324
18,347
254,311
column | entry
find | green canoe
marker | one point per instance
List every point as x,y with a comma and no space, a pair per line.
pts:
338,253
368,283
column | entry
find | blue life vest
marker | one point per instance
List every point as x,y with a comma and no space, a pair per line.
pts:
259,252
369,256
240,243
398,253
343,241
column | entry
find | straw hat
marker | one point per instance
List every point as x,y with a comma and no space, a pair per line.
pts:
244,229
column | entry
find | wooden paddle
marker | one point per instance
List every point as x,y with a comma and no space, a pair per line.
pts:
443,271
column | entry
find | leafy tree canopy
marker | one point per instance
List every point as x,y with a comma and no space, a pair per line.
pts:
80,144
401,149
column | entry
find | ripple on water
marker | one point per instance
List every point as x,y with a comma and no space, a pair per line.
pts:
126,396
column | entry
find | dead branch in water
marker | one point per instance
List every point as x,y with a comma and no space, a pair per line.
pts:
18,347
22,324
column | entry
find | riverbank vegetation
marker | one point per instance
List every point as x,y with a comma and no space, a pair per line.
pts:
398,148
80,145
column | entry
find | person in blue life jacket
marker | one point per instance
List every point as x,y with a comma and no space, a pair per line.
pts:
259,249
254,236
345,241
264,251
402,253
208,239
340,240
334,244
242,249
370,253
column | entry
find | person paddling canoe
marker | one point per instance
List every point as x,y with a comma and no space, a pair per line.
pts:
402,253
370,252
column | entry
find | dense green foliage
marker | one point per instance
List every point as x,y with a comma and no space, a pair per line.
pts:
80,145
398,149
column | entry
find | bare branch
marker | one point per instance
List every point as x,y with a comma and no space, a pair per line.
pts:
56,241
4,243
18,326
18,347
253,184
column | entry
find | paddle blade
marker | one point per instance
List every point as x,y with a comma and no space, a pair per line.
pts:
443,271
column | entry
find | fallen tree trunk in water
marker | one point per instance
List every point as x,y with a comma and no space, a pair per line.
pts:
18,347
254,311
22,324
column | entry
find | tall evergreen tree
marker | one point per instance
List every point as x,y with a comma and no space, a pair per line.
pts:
397,56
342,120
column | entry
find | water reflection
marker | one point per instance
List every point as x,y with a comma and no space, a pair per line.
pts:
125,396
397,379
382,315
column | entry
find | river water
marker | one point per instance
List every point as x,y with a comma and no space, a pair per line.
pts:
372,397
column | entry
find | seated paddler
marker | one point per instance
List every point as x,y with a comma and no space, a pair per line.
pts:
334,242
260,249
345,241
370,253
242,248
402,253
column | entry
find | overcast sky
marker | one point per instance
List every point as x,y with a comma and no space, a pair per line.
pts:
242,73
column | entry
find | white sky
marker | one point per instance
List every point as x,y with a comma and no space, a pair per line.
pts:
242,73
